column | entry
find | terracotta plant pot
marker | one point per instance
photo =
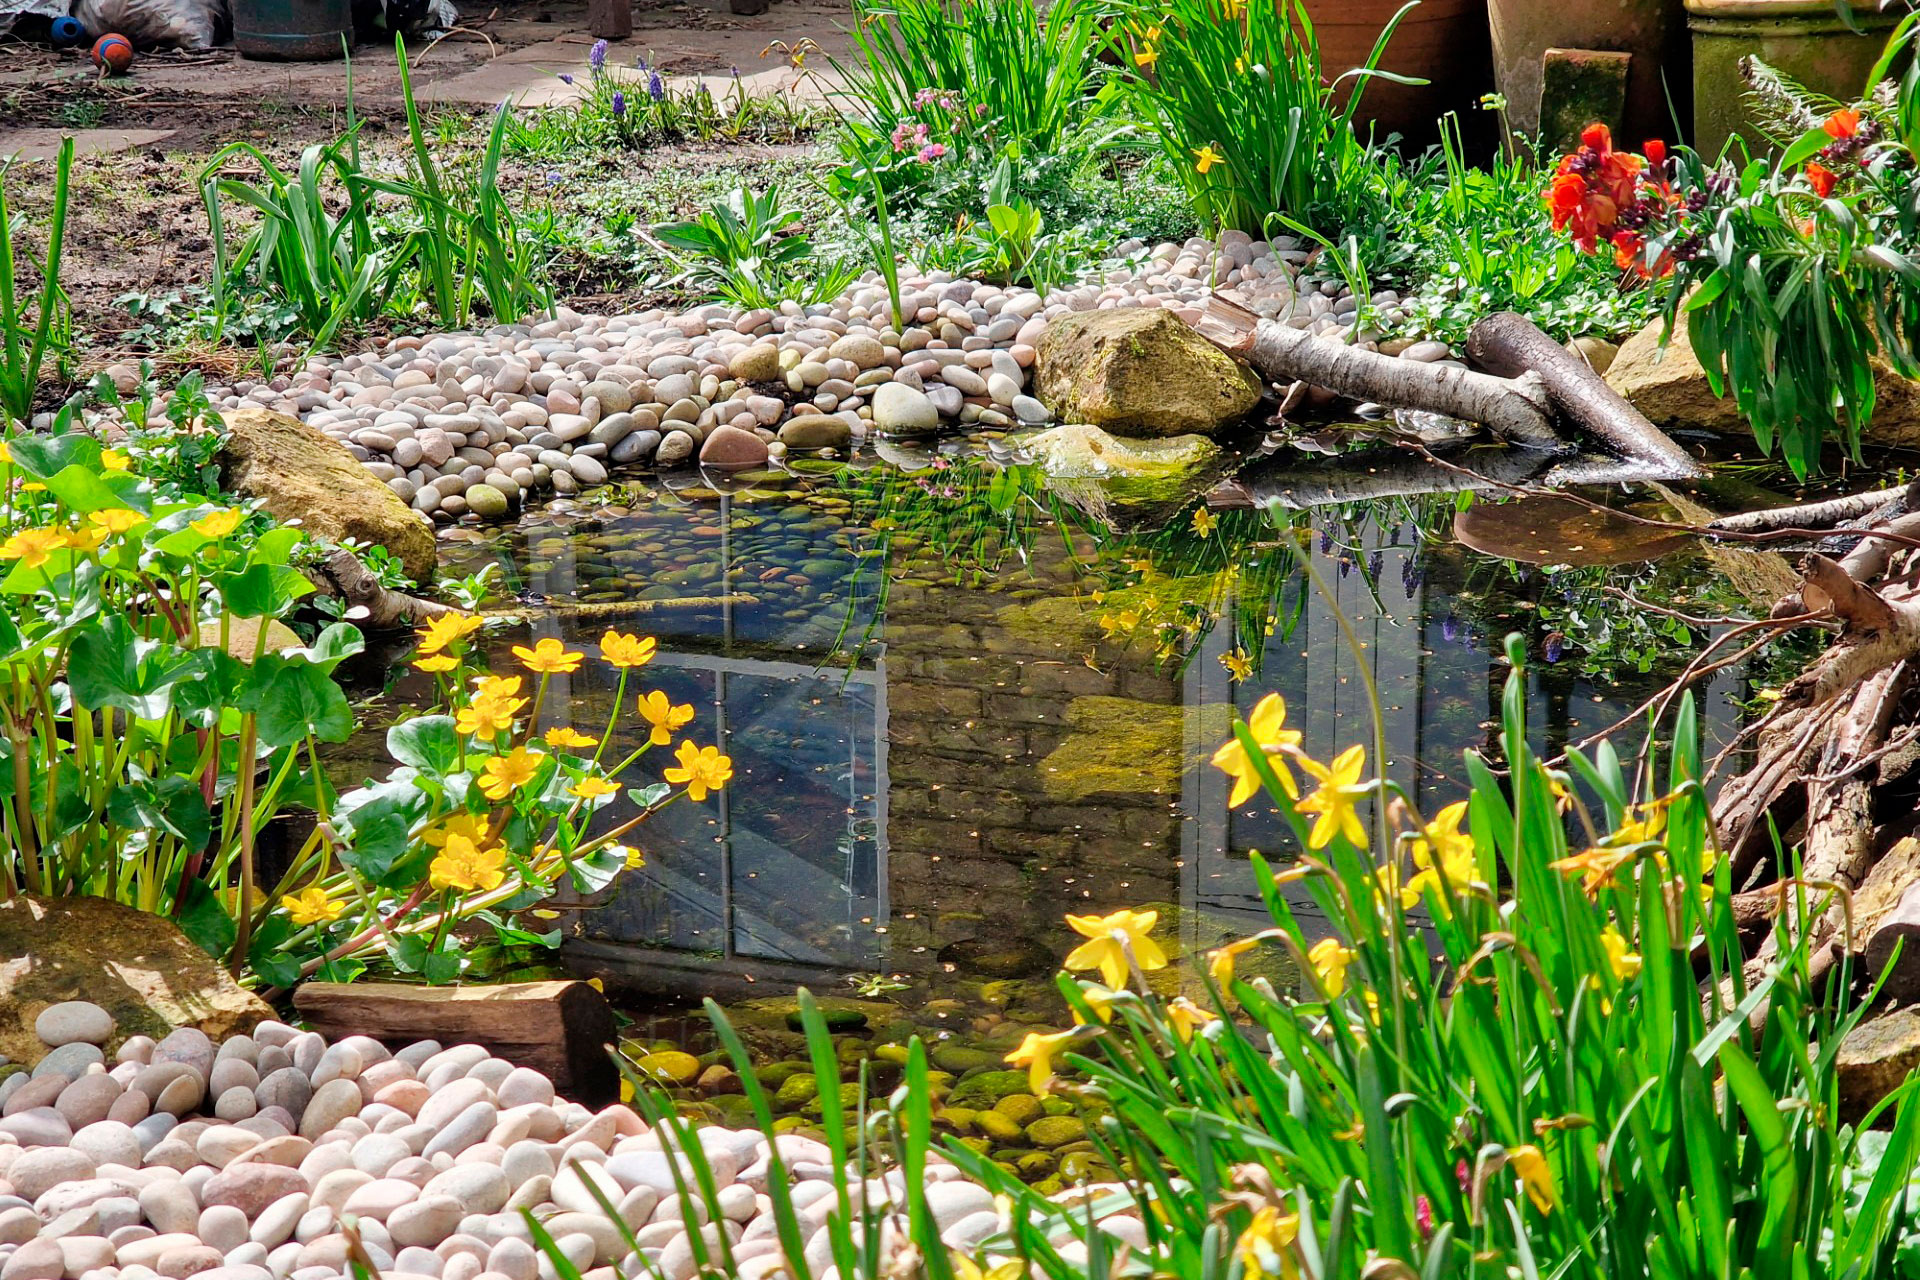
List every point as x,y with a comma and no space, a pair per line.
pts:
1441,41
1805,40
1653,31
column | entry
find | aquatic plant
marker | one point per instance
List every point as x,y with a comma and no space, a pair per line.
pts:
485,813
1527,1077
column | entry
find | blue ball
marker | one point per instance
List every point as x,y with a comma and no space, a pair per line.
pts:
67,32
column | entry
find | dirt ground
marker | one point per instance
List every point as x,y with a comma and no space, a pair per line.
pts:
138,225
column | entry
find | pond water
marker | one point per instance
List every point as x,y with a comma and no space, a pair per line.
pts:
959,707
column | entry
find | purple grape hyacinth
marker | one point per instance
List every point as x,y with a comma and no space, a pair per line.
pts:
619,103
597,56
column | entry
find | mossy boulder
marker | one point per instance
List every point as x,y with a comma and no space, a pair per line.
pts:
1081,451
137,966
959,1059
670,1066
1139,371
1021,1108
298,473
998,1127
796,1091
984,1088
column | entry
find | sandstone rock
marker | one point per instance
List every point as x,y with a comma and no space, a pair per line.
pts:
138,967
1139,371
299,473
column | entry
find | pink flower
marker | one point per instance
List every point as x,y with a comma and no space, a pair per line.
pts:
932,152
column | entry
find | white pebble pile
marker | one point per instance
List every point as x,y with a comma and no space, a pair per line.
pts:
245,1160
480,422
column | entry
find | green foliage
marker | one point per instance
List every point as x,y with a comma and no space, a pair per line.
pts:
1237,98
991,78
745,249
25,343
634,108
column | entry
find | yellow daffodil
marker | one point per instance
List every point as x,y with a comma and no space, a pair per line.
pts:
33,547
1205,158
6,455
1204,521
1337,797
627,651
1265,1248
1267,726
593,788
1239,666
436,662
702,769
659,711
562,736
115,460
965,1268
1220,960
549,657
1595,865
115,520
1186,1017
1330,960
1441,849
1145,56
218,524
312,906
1109,938
464,866
1531,1168
1099,999
501,776
1233,9
1640,824
1624,961
444,629
1036,1055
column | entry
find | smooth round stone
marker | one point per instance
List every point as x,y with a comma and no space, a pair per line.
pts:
188,1260
524,1085
275,1225
251,1187
729,448
1029,410
36,1172
188,1046
37,1127
481,1188
675,447
331,1103
634,447
69,1060
88,1099
286,1088
862,349
182,1095
35,1260
108,1142
587,470
816,431
514,1259
379,1198
224,1227
759,362
378,1152
488,501
73,1022
900,410
964,380
465,1129
426,1222
135,1049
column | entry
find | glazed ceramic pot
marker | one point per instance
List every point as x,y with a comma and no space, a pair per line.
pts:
1805,40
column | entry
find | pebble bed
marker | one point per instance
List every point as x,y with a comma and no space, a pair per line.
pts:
244,1160
480,422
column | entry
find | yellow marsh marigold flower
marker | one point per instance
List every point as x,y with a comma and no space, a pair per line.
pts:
1330,960
466,867
115,520
436,662
83,540
1109,937
1621,957
1531,1168
33,547
1266,724
593,788
549,657
1265,1248
1205,158
659,711
562,736
475,828
702,769
965,1268
501,776
1441,849
627,651
444,629
312,906
493,707
1036,1055
631,856
218,524
1203,519
1334,801
115,460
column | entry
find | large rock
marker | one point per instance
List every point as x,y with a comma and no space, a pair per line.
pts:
300,474
138,967
1139,371
1081,452
1668,385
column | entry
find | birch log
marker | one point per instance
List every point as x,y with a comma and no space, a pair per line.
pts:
1516,409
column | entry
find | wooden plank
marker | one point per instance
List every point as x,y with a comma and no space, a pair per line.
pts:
610,19
560,1028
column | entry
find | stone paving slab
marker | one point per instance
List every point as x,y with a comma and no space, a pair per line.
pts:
43,144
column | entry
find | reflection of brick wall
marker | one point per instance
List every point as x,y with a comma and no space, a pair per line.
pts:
977,848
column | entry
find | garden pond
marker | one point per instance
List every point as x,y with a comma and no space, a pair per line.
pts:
959,707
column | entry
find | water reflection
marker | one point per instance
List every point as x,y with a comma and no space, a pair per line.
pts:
958,712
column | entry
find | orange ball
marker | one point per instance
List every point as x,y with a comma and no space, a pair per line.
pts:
113,53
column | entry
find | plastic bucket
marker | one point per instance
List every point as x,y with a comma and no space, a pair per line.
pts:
292,30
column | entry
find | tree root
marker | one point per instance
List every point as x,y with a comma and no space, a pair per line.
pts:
343,575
